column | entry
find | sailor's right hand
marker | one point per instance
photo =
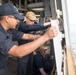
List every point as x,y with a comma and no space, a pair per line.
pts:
51,32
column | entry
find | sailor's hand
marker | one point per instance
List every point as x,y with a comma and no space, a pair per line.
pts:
51,32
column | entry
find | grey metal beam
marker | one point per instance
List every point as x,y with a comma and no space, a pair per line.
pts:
35,5
25,5
59,6
0,2
19,3
53,12
47,8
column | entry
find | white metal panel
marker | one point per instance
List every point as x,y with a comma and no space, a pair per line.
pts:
57,49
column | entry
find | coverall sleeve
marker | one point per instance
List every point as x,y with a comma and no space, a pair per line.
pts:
36,27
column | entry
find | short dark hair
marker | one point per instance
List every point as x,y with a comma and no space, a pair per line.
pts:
1,17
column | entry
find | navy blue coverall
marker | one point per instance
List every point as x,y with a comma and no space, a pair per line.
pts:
24,65
6,44
42,62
